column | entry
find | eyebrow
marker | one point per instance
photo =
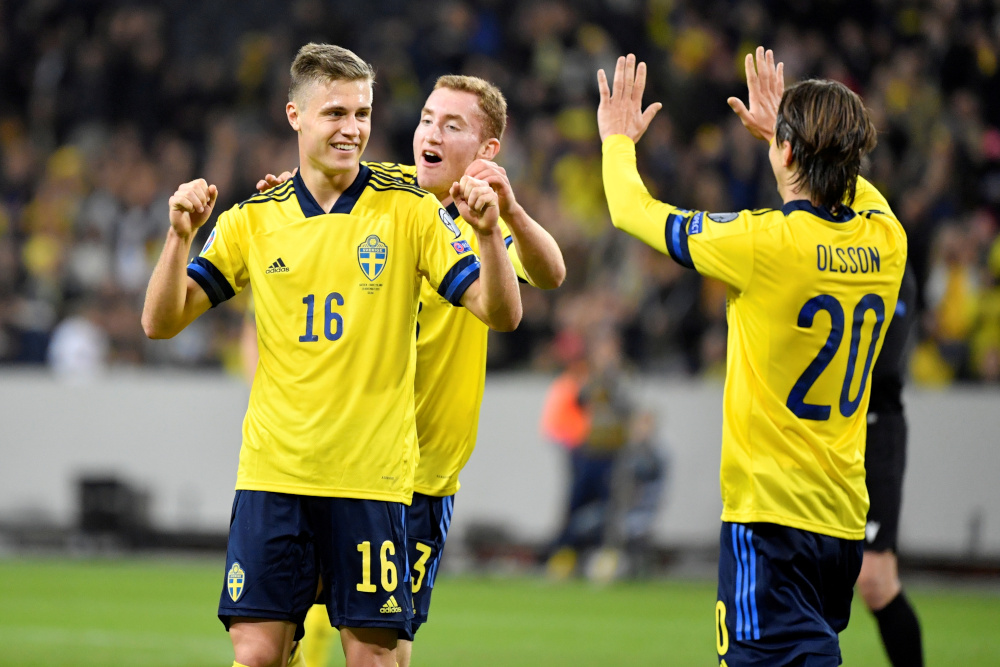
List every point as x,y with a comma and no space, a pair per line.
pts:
341,107
448,116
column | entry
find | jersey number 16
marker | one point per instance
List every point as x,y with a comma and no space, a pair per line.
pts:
333,323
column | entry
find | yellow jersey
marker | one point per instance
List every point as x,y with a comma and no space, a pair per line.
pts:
809,299
451,362
336,297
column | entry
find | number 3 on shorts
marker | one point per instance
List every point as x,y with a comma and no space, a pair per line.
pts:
388,567
420,565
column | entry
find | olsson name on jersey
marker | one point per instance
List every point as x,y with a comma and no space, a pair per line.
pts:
836,259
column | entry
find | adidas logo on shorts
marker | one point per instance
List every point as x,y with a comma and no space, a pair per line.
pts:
391,606
277,267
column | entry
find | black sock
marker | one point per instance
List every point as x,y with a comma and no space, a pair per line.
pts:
900,631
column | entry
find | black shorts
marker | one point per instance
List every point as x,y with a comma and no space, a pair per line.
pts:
280,545
784,595
428,519
885,461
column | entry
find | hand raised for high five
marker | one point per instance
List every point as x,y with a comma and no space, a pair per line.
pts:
765,85
620,110
191,206
477,202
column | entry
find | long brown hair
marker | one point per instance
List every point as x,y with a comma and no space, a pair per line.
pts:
830,131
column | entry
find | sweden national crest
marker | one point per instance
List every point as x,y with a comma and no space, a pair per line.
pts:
372,256
234,581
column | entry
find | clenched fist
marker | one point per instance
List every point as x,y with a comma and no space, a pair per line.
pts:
477,202
191,206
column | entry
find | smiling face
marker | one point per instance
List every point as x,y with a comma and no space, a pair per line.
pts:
333,119
448,139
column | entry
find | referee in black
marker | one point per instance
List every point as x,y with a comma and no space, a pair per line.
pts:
885,460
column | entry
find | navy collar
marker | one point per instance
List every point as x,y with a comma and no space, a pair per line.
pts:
453,211
819,211
344,204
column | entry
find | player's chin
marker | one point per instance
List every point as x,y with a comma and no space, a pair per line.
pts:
432,180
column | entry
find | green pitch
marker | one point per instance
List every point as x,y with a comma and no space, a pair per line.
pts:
162,612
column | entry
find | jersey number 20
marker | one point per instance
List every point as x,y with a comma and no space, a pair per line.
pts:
848,406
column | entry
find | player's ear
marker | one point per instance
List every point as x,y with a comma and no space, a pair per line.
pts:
292,112
785,151
489,149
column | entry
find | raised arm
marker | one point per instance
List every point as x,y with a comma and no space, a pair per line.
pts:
173,300
621,122
494,297
538,251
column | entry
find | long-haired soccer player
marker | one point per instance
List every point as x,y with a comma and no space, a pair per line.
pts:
335,258
459,133
812,287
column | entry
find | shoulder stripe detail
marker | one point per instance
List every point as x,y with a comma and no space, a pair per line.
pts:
762,211
284,196
393,169
385,179
677,238
276,191
211,280
397,187
464,272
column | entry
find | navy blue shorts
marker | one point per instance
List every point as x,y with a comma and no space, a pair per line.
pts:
281,546
784,595
428,519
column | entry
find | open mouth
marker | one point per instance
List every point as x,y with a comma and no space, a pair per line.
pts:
431,158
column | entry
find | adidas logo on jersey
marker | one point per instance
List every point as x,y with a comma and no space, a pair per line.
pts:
391,606
277,267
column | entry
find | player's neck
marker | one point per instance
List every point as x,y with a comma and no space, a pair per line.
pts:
326,187
789,191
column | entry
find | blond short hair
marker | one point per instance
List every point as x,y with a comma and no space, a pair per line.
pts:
325,63
492,104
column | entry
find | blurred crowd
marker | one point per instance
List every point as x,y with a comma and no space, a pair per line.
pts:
105,107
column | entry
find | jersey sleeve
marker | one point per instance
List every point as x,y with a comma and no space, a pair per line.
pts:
445,256
220,269
515,259
718,245
868,198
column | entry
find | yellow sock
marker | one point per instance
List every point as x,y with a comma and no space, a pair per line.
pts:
316,651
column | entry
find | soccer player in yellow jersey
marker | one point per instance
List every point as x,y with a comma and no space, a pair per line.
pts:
812,287
335,258
459,133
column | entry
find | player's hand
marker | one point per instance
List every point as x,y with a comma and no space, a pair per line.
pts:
765,86
271,180
496,176
477,202
620,110
191,206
